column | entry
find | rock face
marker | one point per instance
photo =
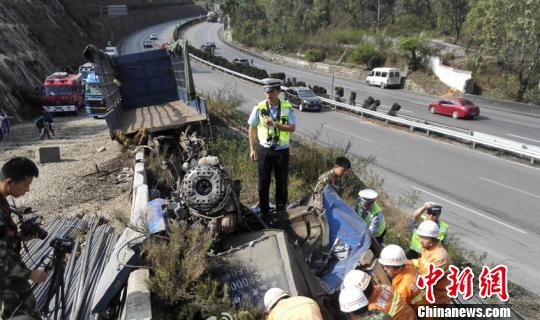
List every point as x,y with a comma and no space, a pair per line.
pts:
42,36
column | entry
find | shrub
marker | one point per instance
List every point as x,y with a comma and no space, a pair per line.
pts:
300,84
315,55
320,91
278,75
352,98
377,60
339,91
363,53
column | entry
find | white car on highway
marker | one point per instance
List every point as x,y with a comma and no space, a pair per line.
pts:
384,77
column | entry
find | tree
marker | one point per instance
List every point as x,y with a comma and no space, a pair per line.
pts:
510,31
450,16
413,46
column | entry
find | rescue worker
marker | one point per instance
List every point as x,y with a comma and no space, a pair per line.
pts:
16,176
403,276
281,306
354,304
380,297
434,253
334,176
271,121
368,209
429,211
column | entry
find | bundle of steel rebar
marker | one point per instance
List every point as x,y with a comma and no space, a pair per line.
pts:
93,243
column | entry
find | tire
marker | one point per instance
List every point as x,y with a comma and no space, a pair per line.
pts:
301,107
455,115
432,110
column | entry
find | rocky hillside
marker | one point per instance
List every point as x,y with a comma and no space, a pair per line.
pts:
41,36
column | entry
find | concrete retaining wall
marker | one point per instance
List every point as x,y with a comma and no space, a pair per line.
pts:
453,78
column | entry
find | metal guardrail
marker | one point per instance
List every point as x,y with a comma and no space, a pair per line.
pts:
474,137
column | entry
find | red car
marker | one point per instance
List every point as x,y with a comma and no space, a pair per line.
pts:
457,108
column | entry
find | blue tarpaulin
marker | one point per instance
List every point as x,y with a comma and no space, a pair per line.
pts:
346,225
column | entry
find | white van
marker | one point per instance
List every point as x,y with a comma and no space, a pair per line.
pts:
384,77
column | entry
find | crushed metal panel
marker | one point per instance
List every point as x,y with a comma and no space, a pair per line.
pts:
263,260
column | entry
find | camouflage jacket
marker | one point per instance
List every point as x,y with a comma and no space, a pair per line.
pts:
327,178
12,268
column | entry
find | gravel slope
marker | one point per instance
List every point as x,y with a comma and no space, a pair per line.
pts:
72,187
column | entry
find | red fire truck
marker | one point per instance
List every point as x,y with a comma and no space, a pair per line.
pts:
63,92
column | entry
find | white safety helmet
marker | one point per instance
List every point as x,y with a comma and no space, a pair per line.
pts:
356,279
392,255
272,296
428,229
368,195
352,299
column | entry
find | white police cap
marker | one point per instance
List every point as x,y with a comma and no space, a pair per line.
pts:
368,195
270,84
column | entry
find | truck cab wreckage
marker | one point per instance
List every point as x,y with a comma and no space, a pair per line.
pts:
306,250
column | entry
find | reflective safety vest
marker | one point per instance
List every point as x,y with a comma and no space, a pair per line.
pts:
295,308
415,239
384,299
264,132
368,216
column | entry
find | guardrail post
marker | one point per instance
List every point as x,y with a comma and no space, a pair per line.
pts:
427,133
474,145
411,128
532,161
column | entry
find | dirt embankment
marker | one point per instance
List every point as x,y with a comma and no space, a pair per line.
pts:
73,187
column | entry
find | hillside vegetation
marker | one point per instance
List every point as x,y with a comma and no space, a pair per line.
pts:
499,40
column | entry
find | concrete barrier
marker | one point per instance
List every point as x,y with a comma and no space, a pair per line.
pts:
452,77
137,305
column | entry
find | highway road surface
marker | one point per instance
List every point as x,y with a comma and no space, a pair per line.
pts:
516,126
491,204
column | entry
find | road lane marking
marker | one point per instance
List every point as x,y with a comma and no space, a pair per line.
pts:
405,110
344,132
525,138
471,210
509,187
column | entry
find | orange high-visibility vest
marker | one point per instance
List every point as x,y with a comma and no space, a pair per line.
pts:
385,300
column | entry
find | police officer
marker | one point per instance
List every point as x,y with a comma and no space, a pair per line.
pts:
271,122
16,176
429,211
369,210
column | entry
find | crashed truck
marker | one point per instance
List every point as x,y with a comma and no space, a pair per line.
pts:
306,250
